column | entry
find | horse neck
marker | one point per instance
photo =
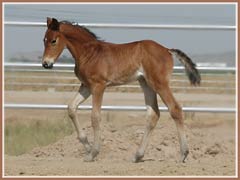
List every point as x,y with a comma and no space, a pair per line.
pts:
76,37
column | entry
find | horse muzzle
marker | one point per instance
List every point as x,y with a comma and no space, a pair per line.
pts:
47,65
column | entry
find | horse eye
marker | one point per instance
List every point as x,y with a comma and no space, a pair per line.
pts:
53,42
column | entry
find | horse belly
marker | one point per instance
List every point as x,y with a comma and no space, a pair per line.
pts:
125,78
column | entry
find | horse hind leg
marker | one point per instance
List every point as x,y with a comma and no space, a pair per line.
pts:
177,114
152,117
79,98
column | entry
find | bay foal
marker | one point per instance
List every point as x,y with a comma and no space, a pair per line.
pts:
100,64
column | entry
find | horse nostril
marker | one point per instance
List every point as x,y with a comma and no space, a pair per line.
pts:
50,66
45,65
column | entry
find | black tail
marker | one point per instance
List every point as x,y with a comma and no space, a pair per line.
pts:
190,67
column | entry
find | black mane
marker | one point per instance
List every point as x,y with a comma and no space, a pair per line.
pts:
82,27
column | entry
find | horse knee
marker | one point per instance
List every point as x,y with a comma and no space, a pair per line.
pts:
176,112
71,111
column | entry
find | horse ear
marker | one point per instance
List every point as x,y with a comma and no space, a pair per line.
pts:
53,24
49,21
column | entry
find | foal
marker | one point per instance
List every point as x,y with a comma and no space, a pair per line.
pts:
101,64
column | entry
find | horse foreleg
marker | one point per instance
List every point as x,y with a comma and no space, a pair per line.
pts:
152,117
79,98
97,95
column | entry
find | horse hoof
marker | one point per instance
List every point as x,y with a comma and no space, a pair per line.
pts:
184,156
86,144
90,156
137,158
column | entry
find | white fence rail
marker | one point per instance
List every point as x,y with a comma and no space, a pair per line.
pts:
36,65
142,26
117,108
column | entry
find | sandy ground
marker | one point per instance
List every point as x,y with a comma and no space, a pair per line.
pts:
211,140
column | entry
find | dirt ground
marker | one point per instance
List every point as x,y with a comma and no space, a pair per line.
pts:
211,139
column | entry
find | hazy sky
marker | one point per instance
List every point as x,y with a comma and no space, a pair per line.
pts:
27,39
